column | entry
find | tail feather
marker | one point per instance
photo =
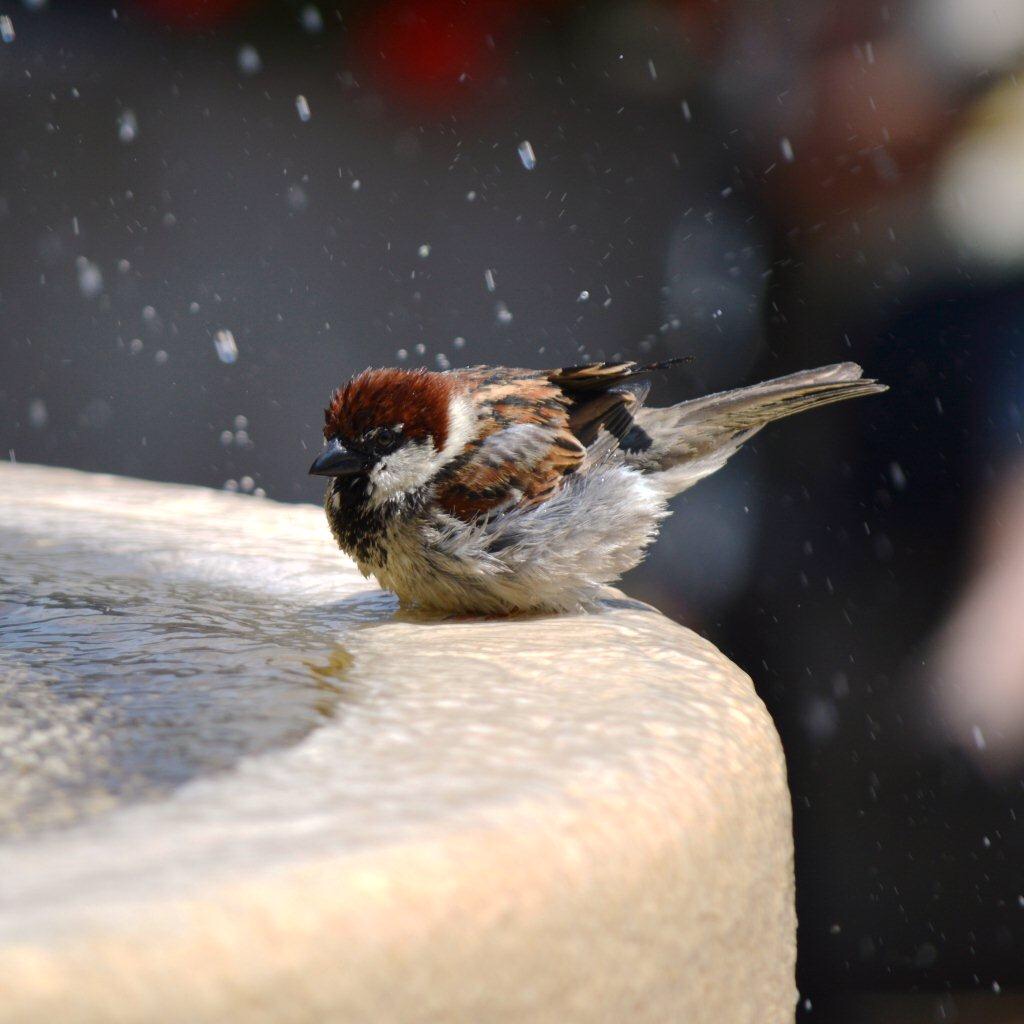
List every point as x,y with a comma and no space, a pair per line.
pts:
684,443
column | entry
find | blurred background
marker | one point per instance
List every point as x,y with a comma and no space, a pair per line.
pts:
214,211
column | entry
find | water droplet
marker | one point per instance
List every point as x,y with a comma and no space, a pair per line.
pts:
226,437
526,155
489,279
978,736
471,196
90,277
402,354
419,348
247,483
242,438
96,414
38,416
127,126
6,28
652,70
459,343
443,362
311,19
249,62
241,422
503,313
787,149
193,308
897,476
296,197
356,184
230,485
424,251
227,350
160,357
135,346
302,108
583,296
687,114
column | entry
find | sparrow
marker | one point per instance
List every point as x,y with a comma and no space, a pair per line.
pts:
492,490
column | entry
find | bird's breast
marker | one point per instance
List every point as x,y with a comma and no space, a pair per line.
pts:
372,535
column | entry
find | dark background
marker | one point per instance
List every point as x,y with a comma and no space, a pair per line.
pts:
764,186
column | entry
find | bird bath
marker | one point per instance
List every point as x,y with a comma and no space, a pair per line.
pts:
237,784
128,681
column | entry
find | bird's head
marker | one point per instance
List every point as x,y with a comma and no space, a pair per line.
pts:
389,432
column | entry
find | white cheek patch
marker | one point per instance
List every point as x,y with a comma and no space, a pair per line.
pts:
404,470
414,464
461,428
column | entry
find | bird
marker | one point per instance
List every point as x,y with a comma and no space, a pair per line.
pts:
497,491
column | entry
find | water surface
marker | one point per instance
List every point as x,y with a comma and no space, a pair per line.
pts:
122,677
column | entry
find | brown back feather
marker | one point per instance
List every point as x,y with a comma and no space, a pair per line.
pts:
570,406
488,476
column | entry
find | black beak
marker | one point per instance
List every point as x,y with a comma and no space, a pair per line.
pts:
335,460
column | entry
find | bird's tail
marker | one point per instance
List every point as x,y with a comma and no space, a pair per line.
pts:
684,443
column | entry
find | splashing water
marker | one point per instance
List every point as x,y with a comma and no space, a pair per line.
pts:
227,349
249,62
127,126
311,19
38,416
90,277
527,157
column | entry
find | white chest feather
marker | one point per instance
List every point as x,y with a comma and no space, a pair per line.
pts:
555,556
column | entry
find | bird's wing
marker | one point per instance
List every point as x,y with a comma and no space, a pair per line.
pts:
536,428
606,399
523,450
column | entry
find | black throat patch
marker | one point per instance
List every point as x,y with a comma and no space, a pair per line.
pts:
361,529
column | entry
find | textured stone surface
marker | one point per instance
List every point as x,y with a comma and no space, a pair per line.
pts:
568,818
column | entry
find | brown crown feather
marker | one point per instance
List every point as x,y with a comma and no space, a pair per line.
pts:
418,399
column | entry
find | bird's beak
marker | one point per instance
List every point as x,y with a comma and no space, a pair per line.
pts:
335,460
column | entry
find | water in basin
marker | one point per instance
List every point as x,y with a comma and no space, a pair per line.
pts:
121,680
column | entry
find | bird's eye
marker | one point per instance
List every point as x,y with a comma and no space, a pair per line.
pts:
386,438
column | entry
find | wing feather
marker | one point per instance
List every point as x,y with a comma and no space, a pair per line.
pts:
522,452
537,427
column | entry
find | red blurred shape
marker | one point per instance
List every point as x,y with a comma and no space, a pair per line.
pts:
195,13
426,51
